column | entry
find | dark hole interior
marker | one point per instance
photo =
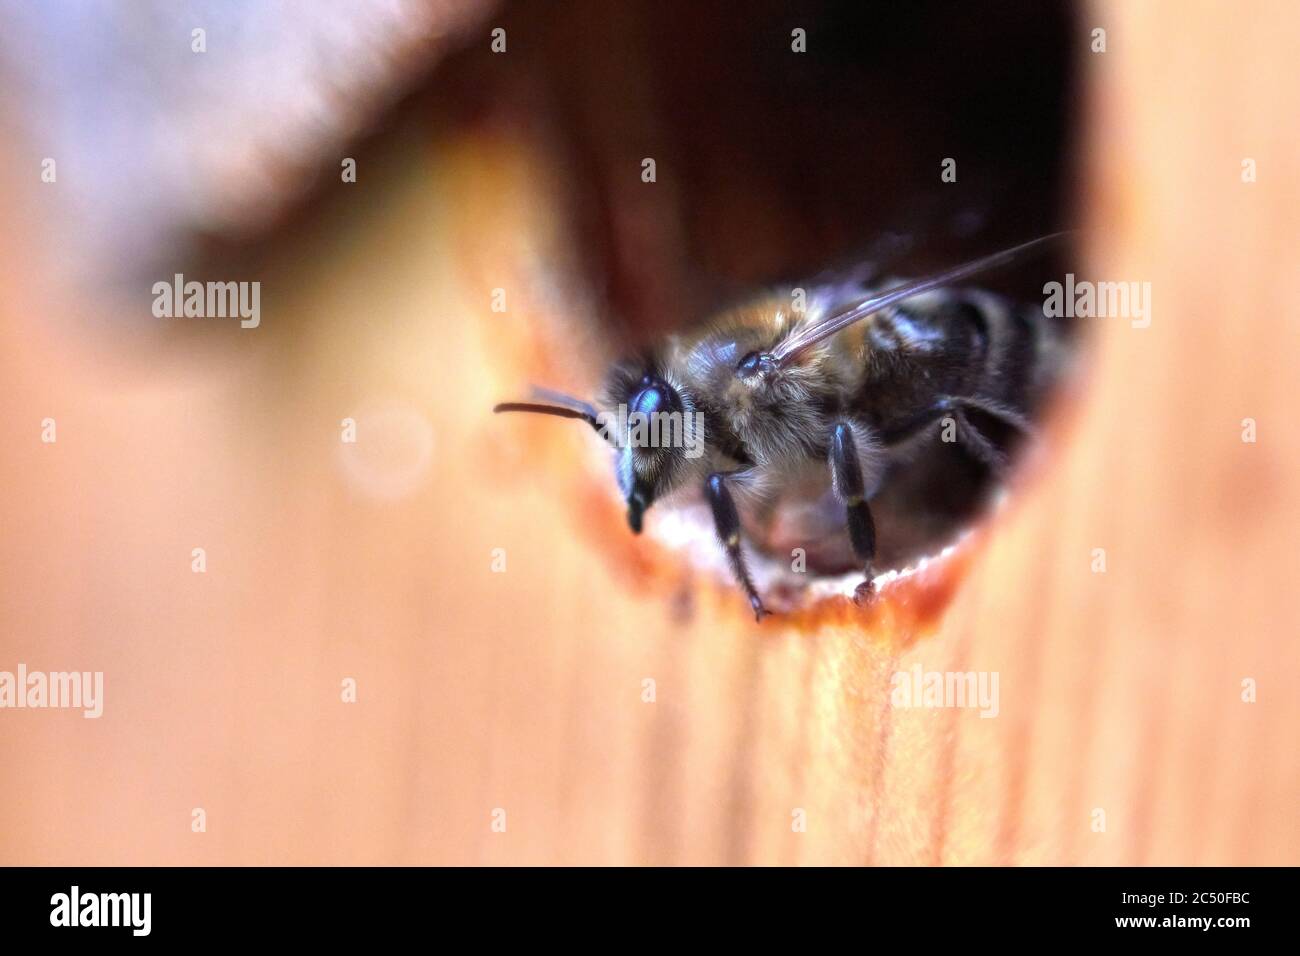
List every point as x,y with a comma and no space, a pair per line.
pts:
774,166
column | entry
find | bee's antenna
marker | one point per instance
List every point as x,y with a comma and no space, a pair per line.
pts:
790,349
559,405
538,409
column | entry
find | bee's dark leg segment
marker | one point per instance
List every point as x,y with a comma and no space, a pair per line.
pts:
998,411
977,444
846,475
726,520
974,440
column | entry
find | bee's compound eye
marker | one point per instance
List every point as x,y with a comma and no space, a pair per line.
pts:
752,364
648,401
654,397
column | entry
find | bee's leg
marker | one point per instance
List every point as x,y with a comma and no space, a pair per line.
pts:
846,477
978,445
726,520
973,439
976,442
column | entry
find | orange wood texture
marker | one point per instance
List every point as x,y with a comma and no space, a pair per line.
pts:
523,690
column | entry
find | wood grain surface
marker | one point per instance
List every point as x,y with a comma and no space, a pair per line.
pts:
524,691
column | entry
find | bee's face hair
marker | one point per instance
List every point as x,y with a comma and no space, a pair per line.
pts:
638,395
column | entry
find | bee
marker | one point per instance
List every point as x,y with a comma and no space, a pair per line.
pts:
864,427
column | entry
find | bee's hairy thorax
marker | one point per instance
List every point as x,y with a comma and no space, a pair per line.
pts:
885,371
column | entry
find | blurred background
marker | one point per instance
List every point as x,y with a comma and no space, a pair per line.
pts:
381,169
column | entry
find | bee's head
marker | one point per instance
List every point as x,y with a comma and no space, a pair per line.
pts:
651,422
653,433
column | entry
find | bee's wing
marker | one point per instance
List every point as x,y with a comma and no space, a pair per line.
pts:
805,338
851,278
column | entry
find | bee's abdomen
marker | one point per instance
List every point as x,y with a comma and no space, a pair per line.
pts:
1022,352
957,343
1001,369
